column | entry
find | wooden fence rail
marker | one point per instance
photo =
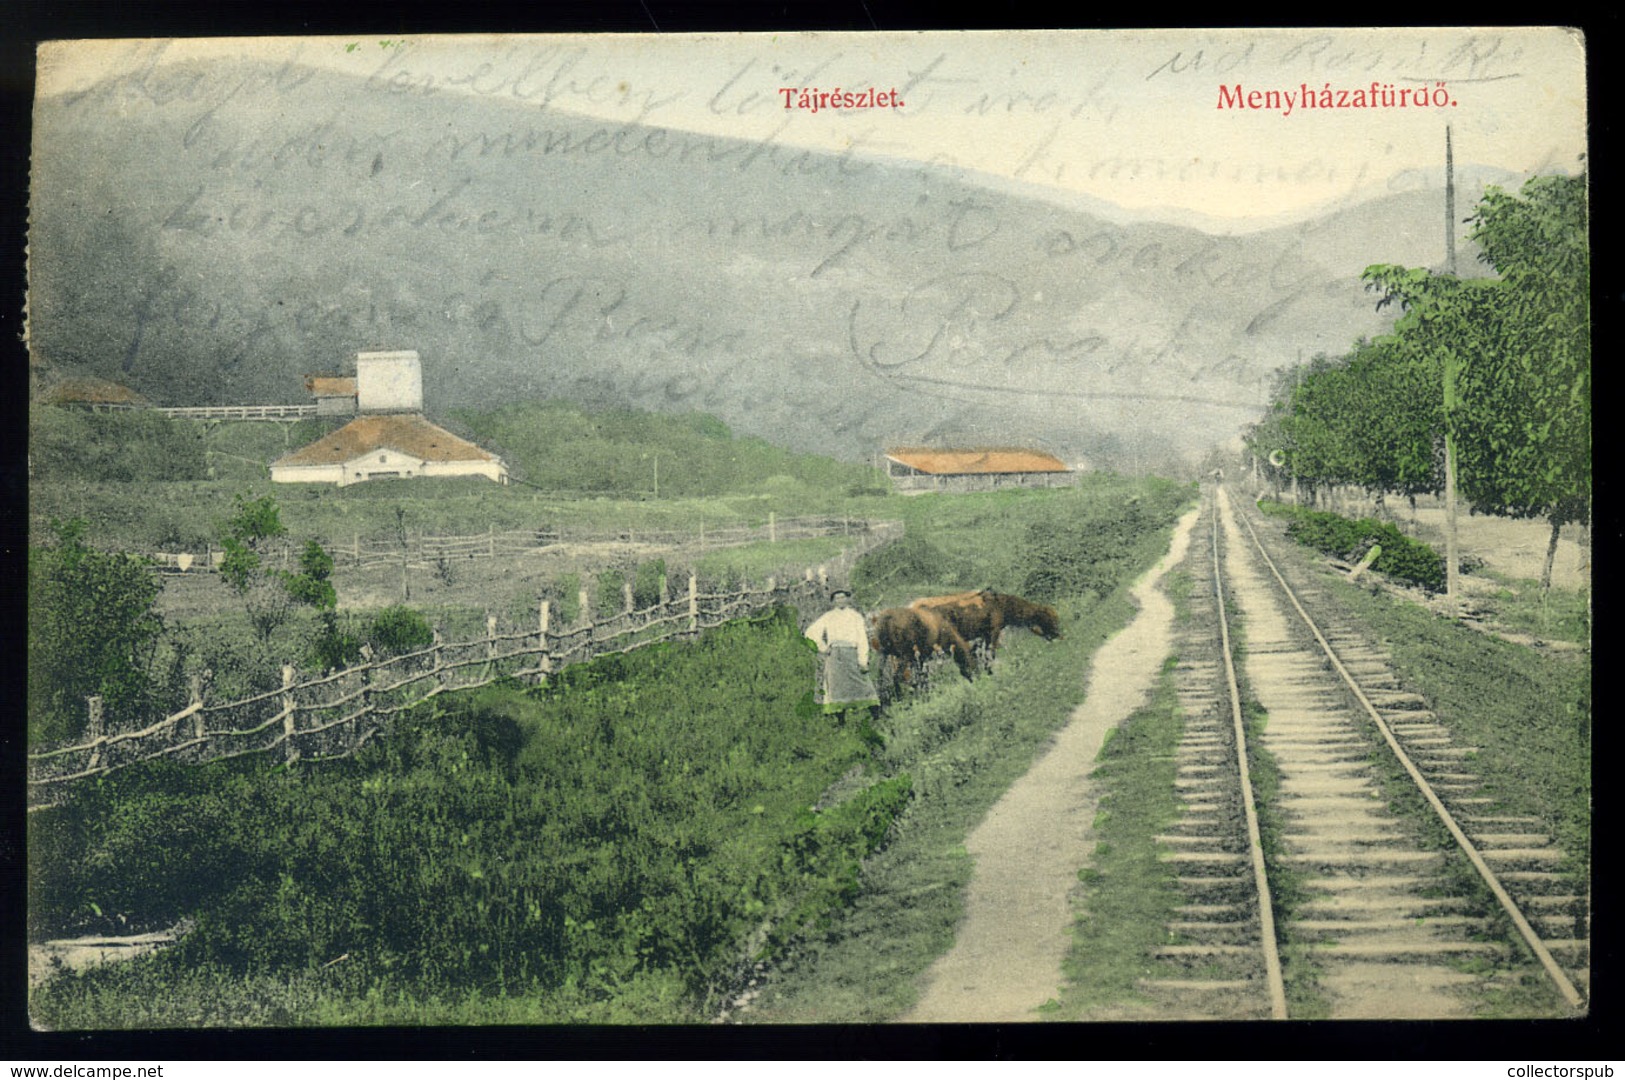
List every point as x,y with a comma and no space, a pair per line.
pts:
425,552
335,714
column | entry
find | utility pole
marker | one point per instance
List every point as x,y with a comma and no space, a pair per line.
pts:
1451,556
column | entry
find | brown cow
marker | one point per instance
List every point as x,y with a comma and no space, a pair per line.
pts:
910,637
982,616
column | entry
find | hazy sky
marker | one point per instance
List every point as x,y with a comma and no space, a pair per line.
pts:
1135,118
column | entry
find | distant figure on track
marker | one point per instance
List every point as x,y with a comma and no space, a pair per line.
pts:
842,638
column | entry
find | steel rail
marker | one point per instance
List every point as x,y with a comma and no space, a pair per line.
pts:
1255,843
1530,937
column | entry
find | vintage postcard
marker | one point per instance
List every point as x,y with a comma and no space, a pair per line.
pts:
735,529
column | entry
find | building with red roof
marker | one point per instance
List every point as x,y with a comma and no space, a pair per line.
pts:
919,469
386,445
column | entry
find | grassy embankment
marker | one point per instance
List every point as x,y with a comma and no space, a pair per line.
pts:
607,850
965,743
598,851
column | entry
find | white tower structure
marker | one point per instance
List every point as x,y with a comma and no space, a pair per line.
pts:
389,382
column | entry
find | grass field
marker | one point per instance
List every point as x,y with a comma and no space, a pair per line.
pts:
291,930
142,482
963,745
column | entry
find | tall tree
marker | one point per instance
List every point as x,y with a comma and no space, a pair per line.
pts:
1397,411
1526,435
1446,321
245,536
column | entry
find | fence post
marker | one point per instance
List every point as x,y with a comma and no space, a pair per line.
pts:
366,685
545,660
626,596
490,636
584,600
93,720
94,727
203,682
194,697
358,549
772,528
823,578
664,599
289,712
693,603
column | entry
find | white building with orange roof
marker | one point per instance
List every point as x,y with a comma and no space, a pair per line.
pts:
387,445
390,438
913,470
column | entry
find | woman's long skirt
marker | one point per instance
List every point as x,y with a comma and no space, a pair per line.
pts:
845,685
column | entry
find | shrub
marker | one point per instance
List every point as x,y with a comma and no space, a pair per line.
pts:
913,559
646,584
92,630
399,629
1402,558
1071,557
609,601
334,647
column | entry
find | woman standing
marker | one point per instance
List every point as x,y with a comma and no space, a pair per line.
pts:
842,637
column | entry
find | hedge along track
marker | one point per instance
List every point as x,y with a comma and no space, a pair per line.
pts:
1378,924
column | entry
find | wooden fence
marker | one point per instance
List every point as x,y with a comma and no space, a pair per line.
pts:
422,551
336,714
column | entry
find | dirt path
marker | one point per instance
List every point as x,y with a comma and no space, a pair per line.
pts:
1006,959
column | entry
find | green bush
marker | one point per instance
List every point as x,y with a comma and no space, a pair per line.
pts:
913,559
610,599
399,629
1402,558
646,584
1085,553
92,630
335,646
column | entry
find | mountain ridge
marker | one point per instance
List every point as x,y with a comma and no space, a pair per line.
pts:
216,247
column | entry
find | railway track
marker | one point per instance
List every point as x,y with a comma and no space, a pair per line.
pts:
1342,857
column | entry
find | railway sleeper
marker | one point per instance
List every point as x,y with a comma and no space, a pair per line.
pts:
1364,858
1511,840
1406,951
1215,933
1399,907
1202,986
1554,901
1221,838
1366,925
1204,952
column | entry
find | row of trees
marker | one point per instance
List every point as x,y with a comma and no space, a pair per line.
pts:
1500,366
